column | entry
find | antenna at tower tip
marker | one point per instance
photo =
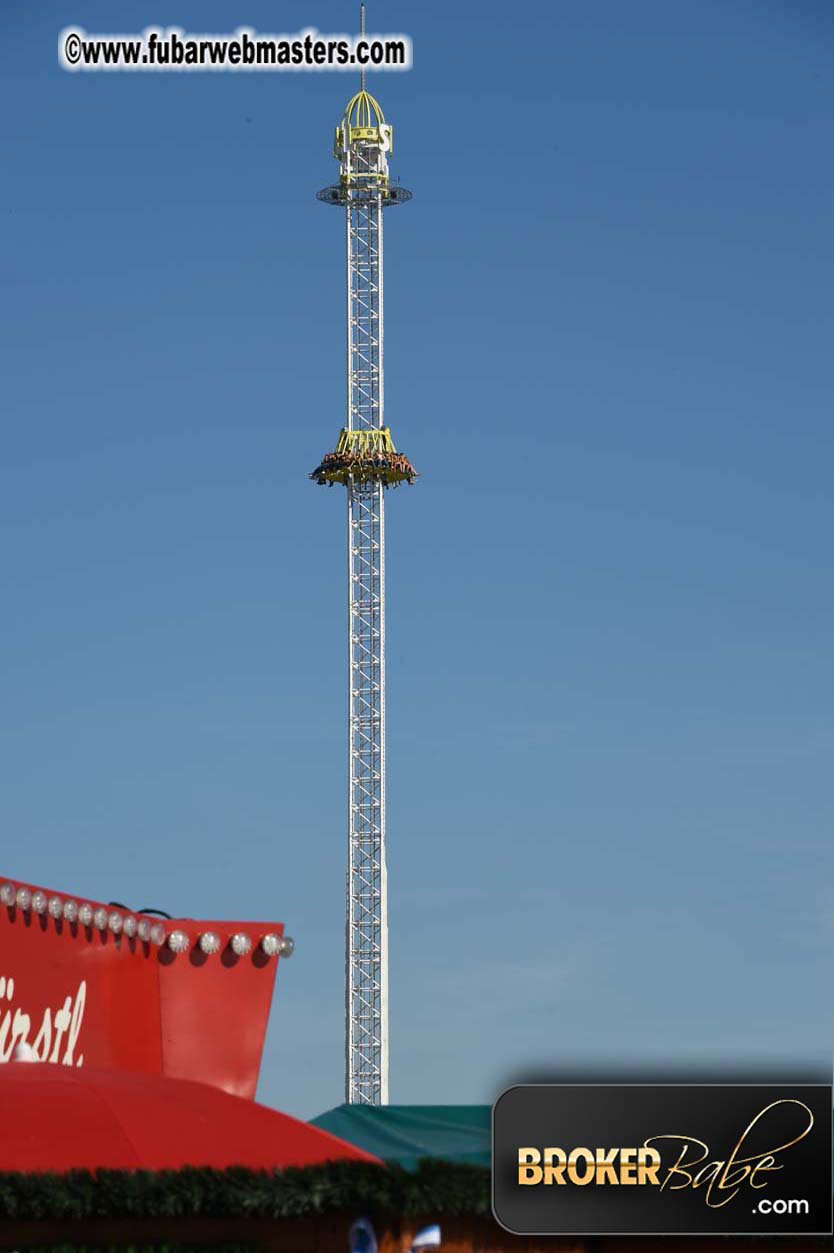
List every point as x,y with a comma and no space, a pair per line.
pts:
362,32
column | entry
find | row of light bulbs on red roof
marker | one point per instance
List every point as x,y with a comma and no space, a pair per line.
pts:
151,932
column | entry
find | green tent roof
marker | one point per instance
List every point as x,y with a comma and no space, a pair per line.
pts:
405,1133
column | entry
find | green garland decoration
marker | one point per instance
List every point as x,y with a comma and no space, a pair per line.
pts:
435,1187
167,1247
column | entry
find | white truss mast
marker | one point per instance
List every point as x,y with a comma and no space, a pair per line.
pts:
367,463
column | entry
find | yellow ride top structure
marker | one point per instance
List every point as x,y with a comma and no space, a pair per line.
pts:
363,121
363,129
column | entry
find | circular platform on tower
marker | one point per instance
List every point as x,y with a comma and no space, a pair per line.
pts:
339,195
366,456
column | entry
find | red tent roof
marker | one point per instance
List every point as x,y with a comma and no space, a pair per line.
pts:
60,1117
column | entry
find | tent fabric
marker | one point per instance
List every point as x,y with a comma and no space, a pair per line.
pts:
57,1118
406,1133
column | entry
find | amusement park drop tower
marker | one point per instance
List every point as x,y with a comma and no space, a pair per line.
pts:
367,463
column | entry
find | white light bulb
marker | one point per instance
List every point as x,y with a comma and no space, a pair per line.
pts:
158,933
100,918
178,942
8,894
115,922
56,907
23,898
39,902
71,910
129,926
85,914
287,946
241,943
271,944
210,942
143,929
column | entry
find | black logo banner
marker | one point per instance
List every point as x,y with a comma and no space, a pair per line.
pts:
663,1159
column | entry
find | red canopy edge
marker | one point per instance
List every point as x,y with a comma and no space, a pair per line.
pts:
60,1118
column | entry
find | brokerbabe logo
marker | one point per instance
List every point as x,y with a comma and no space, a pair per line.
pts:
651,1159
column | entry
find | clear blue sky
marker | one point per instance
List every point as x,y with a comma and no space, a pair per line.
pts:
609,335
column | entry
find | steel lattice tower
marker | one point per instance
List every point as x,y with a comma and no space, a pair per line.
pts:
367,463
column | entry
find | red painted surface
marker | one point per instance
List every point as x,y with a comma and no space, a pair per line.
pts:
85,998
59,1118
